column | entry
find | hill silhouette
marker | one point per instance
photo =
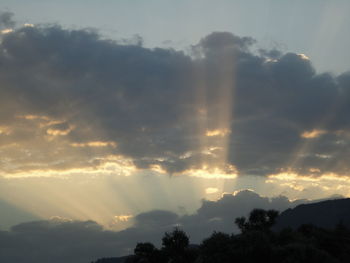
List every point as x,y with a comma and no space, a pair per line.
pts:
326,214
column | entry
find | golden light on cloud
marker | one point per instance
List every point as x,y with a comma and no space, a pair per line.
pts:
287,176
213,172
5,130
95,144
271,60
211,190
211,150
45,120
59,132
186,155
109,165
240,190
328,183
34,117
6,31
313,134
217,132
122,218
314,170
28,25
158,169
290,176
303,56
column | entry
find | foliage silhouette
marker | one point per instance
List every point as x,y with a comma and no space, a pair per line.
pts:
259,219
255,244
175,242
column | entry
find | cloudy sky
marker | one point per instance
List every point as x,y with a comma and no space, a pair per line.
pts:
113,109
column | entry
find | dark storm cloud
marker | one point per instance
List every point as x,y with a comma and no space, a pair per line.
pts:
61,240
128,93
80,88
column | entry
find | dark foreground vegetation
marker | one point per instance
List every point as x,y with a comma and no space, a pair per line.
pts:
256,243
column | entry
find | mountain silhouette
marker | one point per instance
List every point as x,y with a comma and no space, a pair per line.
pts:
325,214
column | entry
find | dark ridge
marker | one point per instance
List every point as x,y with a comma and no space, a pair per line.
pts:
325,214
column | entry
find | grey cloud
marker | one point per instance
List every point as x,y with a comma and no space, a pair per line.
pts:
42,241
156,218
146,100
220,215
6,19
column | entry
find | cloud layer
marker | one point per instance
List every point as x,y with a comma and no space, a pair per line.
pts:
73,100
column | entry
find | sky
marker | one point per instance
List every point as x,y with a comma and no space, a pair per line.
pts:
111,110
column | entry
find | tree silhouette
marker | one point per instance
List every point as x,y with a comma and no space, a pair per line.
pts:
175,244
259,219
146,253
217,248
145,250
